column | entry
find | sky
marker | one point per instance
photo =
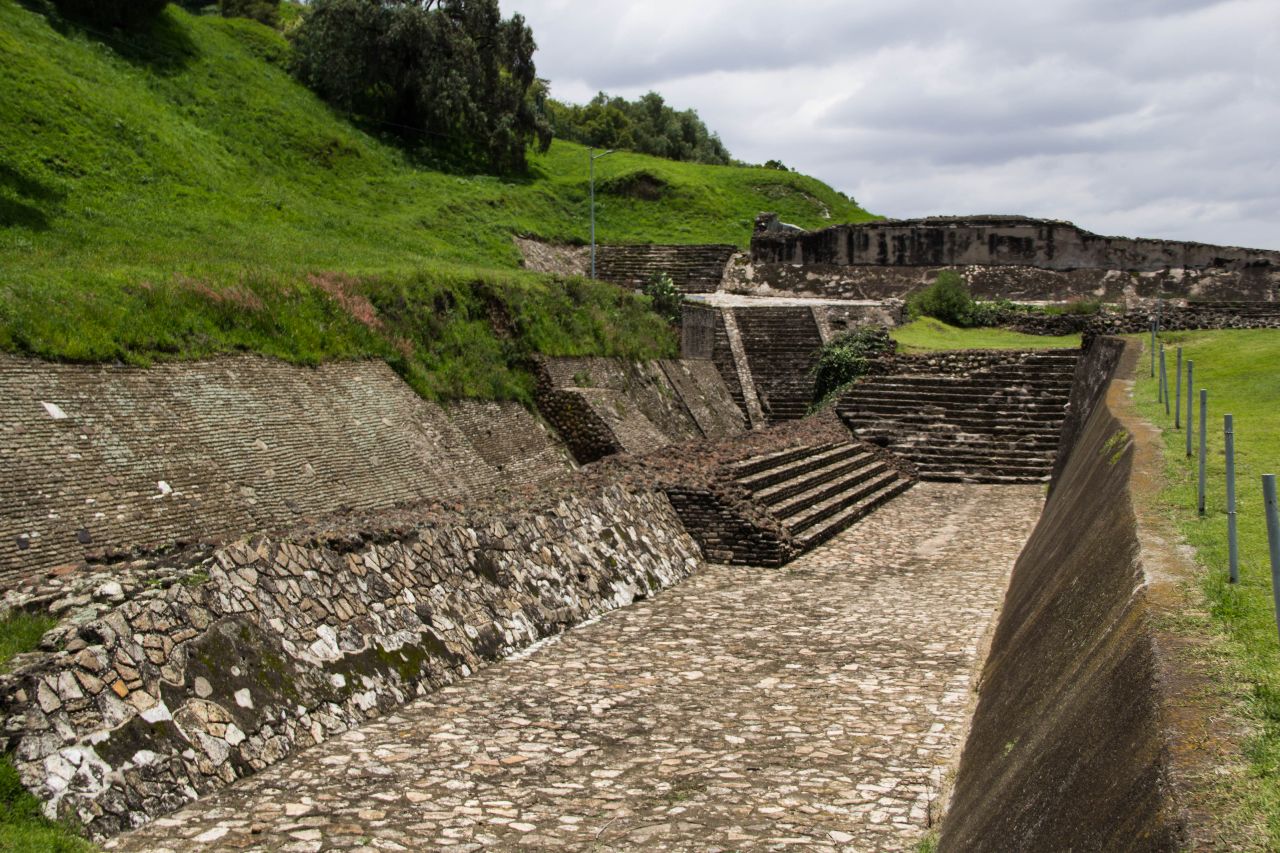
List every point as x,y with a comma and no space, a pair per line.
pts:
1140,118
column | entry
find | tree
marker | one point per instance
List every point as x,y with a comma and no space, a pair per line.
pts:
112,13
646,125
449,74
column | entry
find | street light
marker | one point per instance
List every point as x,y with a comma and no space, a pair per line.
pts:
593,158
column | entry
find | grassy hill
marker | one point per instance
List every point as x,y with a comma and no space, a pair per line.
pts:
175,193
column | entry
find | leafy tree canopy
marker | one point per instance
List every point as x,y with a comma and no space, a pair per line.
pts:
112,13
646,125
452,74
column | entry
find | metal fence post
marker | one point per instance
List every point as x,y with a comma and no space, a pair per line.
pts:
1164,381
1233,540
1273,538
1191,370
1160,384
1204,446
1153,347
1177,400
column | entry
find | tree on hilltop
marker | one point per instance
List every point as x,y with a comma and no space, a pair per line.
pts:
450,74
646,125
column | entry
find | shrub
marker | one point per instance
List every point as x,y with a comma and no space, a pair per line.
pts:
1084,307
845,359
947,299
666,297
112,13
263,11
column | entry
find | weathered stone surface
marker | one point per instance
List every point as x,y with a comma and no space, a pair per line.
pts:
819,707
149,458
305,636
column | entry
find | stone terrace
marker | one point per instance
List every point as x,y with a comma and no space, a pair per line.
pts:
819,705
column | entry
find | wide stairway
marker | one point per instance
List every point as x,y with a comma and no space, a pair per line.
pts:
693,269
999,424
782,346
818,491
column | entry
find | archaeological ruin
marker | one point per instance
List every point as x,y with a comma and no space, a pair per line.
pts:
276,587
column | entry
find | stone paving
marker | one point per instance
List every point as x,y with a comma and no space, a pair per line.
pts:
818,706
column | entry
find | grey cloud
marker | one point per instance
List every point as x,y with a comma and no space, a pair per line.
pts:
1152,117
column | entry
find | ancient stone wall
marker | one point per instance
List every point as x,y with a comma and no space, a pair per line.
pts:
105,458
604,406
1002,257
693,269
167,680
1090,717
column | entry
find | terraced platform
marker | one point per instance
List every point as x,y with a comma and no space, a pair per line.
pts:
999,424
818,492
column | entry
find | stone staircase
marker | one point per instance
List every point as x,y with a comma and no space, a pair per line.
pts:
998,424
782,346
818,491
694,269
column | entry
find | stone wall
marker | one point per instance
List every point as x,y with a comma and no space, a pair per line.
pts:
102,459
1001,257
1092,713
693,269
604,406
166,680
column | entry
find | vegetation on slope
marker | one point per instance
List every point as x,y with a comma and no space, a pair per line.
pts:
1238,369
929,335
175,193
646,125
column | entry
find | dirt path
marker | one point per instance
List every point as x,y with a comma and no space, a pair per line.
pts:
815,706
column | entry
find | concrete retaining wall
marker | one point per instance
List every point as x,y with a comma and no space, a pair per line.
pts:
1083,706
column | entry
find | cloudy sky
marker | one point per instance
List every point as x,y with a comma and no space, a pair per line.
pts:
1155,118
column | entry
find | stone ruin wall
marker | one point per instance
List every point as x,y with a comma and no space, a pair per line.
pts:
606,406
106,459
1001,257
172,679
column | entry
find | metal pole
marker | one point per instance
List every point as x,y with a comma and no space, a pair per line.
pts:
1164,373
1233,540
593,157
1191,370
1153,347
1273,537
1177,400
1204,425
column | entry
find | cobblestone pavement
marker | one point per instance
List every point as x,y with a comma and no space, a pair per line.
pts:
819,705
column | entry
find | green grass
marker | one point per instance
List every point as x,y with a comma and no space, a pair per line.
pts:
22,828
1239,370
928,335
21,632
172,196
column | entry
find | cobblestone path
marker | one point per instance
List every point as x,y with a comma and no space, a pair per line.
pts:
819,705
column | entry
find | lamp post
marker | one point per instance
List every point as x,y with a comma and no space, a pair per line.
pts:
593,157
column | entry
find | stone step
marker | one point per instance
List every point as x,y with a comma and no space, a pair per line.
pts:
823,510
979,476
850,515
765,461
1036,465
762,481
987,418
829,488
956,402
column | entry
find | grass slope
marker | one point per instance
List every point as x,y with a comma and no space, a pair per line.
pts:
928,335
189,153
175,194
1238,369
